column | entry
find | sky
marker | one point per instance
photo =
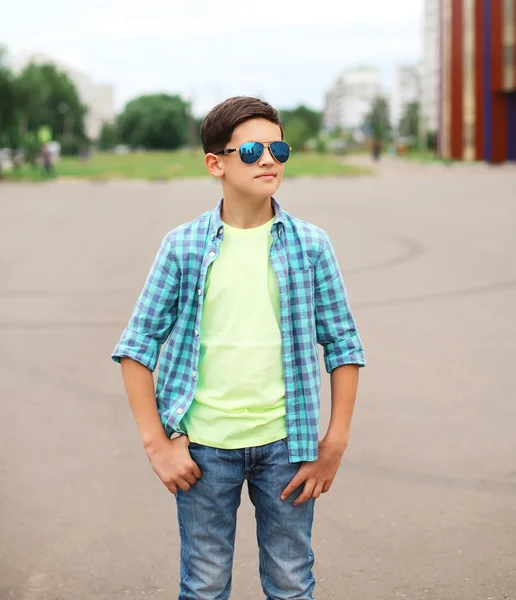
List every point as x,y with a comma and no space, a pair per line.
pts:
288,52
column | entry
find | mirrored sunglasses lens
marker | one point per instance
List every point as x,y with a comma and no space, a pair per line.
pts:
250,152
281,151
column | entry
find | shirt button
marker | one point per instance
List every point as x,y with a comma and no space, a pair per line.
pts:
196,332
220,231
194,374
211,254
199,291
179,411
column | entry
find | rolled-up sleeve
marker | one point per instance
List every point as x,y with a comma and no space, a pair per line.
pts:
155,311
336,329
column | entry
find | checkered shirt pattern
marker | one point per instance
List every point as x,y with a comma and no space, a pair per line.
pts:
314,309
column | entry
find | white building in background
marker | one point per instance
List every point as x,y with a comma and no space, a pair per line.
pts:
350,98
430,75
406,90
99,98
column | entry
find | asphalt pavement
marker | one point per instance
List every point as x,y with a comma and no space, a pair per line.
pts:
424,505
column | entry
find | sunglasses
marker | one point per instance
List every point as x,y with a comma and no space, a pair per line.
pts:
251,152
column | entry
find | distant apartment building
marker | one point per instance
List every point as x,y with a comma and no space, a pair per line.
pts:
478,80
350,98
406,90
98,98
430,68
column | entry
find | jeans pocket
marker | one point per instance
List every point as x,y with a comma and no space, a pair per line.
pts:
194,446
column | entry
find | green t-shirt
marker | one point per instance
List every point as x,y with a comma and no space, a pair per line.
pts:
240,397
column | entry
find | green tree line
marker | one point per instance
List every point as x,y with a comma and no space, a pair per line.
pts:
42,95
39,96
161,121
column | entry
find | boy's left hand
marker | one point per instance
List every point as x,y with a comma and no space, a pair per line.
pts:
317,475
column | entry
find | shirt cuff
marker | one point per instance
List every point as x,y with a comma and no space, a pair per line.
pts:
138,347
343,353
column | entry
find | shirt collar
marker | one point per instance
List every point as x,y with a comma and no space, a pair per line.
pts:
217,226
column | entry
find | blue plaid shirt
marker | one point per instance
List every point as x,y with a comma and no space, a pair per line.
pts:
314,310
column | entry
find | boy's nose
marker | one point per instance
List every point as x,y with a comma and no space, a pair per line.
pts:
266,158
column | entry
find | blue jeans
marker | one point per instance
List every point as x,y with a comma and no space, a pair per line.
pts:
207,515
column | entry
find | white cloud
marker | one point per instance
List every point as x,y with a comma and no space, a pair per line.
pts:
289,51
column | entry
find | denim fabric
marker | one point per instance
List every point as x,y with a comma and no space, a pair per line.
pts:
207,522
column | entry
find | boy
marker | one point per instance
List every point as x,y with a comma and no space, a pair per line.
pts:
241,296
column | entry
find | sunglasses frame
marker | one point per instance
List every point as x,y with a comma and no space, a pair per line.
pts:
268,146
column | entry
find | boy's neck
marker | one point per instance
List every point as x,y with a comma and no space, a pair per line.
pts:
246,213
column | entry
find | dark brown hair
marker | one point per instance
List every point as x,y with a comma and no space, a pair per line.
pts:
218,126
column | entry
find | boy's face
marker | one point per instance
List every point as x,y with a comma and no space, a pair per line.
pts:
259,180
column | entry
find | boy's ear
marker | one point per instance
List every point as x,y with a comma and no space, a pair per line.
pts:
213,165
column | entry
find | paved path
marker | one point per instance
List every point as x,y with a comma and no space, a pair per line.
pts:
392,166
424,506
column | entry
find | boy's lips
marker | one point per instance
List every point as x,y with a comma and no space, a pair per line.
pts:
265,175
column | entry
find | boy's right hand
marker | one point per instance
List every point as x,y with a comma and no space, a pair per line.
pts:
173,464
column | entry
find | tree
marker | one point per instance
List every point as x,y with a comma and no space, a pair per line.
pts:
197,123
7,101
108,136
300,125
157,121
409,122
47,96
377,120
431,141
297,133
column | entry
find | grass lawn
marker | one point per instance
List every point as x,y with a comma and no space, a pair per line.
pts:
425,156
156,166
